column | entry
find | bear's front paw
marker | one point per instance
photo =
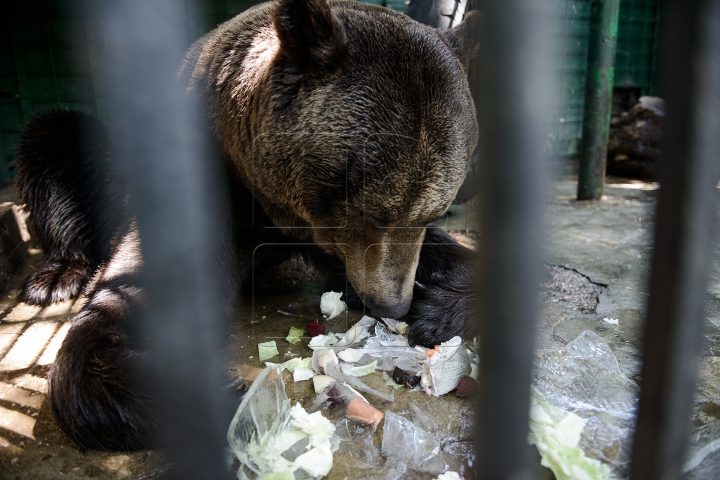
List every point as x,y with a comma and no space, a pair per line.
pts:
439,313
55,281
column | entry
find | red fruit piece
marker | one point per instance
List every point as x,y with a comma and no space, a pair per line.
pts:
468,387
314,328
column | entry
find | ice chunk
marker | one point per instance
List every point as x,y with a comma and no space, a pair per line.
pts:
585,377
267,350
265,429
403,440
331,306
335,372
386,345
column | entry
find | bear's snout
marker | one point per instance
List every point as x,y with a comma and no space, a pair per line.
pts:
388,308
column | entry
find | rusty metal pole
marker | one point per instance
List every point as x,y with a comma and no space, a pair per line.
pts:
598,98
517,90
687,219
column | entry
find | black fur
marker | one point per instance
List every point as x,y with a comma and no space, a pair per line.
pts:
63,181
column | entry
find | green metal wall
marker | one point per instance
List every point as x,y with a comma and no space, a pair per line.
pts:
42,66
635,62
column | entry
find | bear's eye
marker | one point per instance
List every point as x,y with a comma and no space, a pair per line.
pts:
377,222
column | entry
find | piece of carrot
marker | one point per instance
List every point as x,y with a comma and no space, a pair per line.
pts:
359,409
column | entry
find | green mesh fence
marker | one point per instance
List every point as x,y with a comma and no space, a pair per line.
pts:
42,66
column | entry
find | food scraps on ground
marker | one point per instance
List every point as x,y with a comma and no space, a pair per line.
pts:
468,387
320,382
331,306
350,355
442,371
360,370
294,335
361,410
314,328
403,377
267,350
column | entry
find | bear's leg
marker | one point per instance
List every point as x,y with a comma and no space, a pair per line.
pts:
64,181
98,387
95,388
442,305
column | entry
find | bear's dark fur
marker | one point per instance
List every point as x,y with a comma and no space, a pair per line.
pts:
344,126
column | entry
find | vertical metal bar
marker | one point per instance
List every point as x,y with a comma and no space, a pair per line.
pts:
685,233
517,93
598,98
162,153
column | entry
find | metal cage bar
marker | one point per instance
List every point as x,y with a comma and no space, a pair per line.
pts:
161,153
517,91
685,235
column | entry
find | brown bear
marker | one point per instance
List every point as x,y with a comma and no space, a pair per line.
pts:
342,125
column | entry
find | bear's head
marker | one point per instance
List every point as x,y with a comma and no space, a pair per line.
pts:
355,131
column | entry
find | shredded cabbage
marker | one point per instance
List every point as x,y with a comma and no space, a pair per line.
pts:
359,371
294,335
267,350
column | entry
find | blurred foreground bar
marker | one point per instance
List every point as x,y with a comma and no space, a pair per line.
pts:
162,152
685,235
517,90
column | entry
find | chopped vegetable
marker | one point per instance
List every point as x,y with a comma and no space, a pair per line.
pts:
390,382
322,341
314,328
321,381
294,335
350,355
267,350
356,334
361,410
301,374
321,358
359,371
331,306
557,442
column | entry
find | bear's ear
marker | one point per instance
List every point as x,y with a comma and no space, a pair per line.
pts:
464,39
310,35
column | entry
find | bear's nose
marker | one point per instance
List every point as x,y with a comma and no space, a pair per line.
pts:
388,309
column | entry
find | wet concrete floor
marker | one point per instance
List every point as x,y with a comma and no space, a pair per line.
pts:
597,263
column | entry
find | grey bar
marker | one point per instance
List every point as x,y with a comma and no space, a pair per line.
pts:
162,153
517,91
685,236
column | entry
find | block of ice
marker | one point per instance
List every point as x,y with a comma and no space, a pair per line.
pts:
268,437
408,443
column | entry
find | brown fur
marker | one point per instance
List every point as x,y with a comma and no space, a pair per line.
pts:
348,138
344,127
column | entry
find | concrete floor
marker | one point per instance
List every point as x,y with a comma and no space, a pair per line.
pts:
602,248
